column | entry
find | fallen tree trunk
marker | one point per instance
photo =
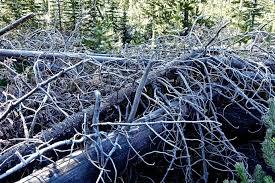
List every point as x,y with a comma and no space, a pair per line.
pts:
67,128
52,55
61,131
78,168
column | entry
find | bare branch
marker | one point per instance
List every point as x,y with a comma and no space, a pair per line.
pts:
16,23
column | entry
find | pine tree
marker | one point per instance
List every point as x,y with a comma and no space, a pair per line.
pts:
268,145
71,13
245,14
57,13
171,15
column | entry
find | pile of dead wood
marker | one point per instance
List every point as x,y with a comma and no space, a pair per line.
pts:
181,106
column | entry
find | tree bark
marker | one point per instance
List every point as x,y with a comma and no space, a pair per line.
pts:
66,129
77,167
52,55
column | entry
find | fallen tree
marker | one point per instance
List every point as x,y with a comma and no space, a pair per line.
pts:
190,98
67,128
77,167
56,55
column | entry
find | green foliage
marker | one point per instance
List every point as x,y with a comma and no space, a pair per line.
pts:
242,173
268,179
56,13
258,174
268,146
99,38
13,9
71,13
113,23
171,14
246,14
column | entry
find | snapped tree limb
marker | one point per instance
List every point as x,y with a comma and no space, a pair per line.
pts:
16,23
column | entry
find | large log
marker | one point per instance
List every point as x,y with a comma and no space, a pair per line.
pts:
52,55
67,128
63,130
77,167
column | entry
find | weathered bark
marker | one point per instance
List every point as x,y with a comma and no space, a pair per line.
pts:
52,55
77,167
66,129
16,23
60,131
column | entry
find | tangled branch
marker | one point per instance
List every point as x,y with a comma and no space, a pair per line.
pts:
178,95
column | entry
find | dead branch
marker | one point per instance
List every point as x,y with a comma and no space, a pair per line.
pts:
65,129
216,35
15,103
77,167
193,94
52,55
68,127
16,23
139,92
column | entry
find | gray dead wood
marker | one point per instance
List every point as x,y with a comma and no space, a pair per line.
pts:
53,55
67,128
77,167
16,23
63,130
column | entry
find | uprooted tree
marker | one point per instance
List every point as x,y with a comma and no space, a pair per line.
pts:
188,106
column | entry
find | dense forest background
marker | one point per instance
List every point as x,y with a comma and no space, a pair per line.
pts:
110,24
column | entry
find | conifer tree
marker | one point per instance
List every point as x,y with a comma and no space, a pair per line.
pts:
245,14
